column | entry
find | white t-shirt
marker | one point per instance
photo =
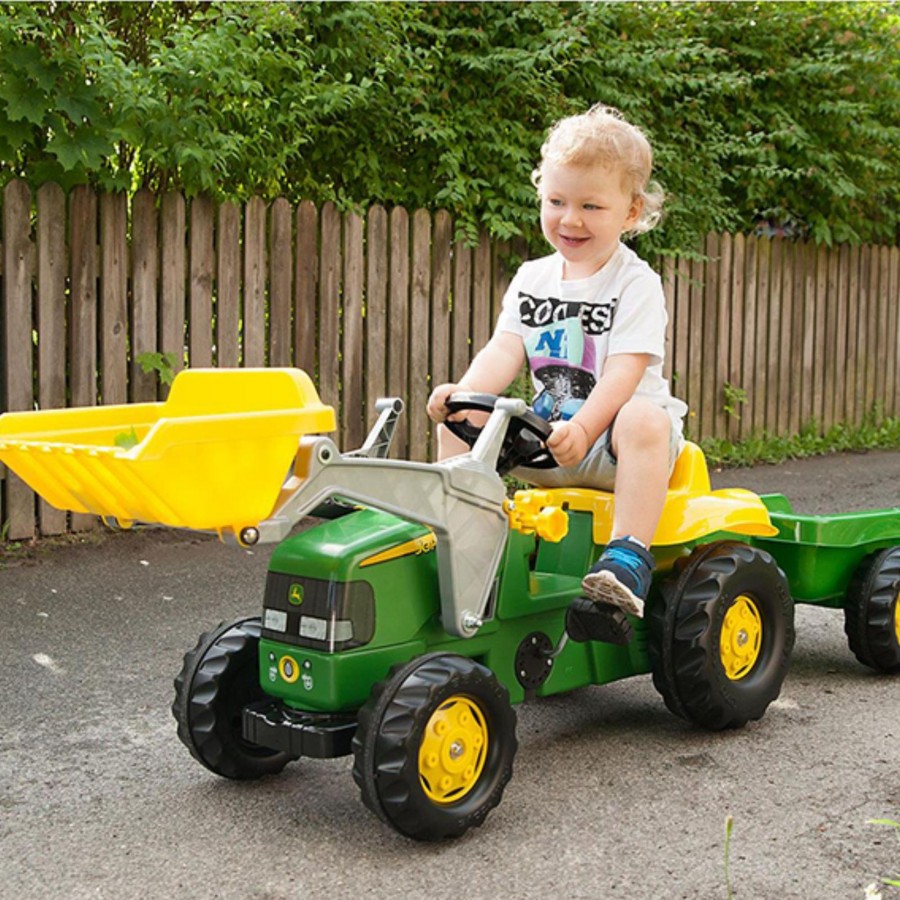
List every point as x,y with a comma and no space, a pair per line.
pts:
569,328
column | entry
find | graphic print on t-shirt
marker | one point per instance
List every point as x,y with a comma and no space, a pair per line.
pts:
561,350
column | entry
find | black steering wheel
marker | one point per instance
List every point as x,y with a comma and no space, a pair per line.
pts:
526,434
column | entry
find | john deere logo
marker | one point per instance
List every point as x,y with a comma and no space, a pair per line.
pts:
295,597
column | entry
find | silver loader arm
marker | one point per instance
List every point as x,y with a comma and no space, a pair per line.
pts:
461,499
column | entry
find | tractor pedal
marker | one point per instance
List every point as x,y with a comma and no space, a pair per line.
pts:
590,621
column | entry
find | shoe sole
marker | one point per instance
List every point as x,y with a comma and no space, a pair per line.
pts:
604,587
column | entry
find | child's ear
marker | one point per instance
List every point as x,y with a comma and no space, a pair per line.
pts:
635,213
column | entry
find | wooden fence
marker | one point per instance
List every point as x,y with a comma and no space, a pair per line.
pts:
389,304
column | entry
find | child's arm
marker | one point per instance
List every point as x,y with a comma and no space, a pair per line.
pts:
492,371
571,440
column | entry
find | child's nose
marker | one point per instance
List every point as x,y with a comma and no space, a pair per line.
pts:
571,217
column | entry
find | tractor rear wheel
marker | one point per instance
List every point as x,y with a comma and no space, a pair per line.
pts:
219,677
434,747
872,611
721,641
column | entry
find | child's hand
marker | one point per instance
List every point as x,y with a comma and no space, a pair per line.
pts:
437,402
569,442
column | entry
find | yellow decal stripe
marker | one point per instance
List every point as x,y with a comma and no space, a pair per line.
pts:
417,546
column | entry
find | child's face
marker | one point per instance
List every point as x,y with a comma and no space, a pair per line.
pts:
584,211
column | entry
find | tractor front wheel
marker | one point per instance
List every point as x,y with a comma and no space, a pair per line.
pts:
872,611
219,677
721,642
434,747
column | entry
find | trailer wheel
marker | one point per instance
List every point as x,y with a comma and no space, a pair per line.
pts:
872,611
434,747
721,641
219,677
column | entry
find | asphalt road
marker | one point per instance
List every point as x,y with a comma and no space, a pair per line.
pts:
612,796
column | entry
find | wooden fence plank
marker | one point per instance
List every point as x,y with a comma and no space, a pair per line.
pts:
281,275
200,282
785,384
820,302
144,287
667,276
441,312
306,287
695,294
761,393
330,268
113,305
841,265
482,323
810,376
419,304
710,337
352,403
862,336
440,299
853,321
829,350
881,324
680,371
869,275
83,310
51,321
18,347
461,315
254,321
398,323
892,373
773,359
748,348
798,312
228,286
376,293
719,250
174,274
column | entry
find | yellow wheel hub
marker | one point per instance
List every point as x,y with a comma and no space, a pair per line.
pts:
897,616
453,750
741,638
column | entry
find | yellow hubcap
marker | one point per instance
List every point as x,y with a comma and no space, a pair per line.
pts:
897,616
453,751
741,637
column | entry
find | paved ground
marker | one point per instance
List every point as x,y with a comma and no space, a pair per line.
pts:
612,796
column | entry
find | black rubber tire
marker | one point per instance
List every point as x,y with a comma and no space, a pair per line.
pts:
870,611
391,729
685,631
219,677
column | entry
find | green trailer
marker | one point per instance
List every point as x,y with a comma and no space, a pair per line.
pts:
848,561
409,607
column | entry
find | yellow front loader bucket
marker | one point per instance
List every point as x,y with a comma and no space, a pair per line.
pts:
213,456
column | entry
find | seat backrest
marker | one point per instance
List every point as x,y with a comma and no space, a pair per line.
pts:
690,473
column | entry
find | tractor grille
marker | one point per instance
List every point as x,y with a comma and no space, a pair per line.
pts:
325,615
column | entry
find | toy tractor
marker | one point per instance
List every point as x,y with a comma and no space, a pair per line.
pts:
418,604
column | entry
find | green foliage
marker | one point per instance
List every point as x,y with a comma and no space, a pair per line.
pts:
161,363
126,439
729,827
734,397
783,113
875,433
890,823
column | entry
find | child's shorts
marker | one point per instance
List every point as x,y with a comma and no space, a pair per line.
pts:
597,470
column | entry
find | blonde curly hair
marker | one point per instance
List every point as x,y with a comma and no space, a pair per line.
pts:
602,136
